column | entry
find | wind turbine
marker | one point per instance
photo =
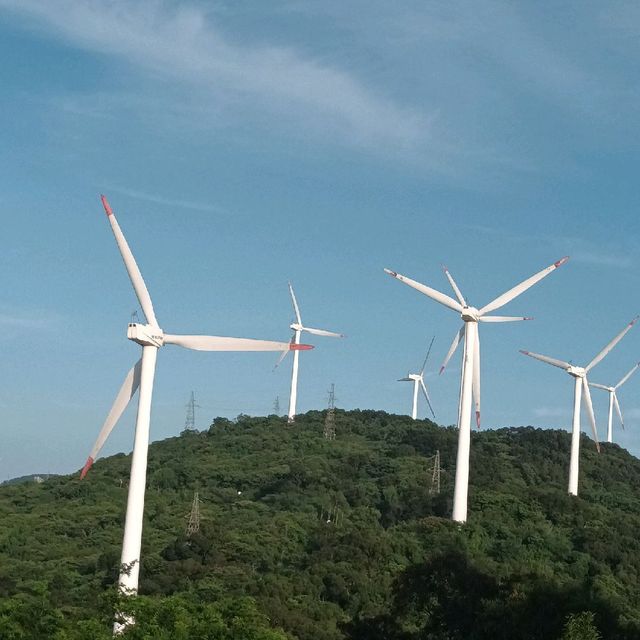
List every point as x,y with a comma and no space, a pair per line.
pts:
418,382
581,389
150,337
298,328
470,379
613,400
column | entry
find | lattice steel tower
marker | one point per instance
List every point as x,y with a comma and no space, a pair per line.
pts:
434,489
330,420
193,526
276,406
190,422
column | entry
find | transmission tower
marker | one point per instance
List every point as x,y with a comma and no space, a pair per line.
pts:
190,422
193,526
330,420
276,406
434,489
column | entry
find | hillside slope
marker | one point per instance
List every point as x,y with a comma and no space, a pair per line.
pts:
267,563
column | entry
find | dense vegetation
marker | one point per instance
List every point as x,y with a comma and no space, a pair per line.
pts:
272,561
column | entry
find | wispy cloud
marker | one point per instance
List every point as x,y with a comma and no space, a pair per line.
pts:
13,320
596,257
580,249
169,202
632,414
551,412
182,44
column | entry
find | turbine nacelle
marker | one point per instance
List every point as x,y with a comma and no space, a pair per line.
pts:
470,314
577,372
295,326
146,335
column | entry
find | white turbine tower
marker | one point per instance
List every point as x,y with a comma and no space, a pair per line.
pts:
613,400
150,337
470,379
581,389
298,328
418,383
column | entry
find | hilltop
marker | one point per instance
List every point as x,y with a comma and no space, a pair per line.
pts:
271,561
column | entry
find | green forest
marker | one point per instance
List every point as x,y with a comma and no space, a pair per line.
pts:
348,539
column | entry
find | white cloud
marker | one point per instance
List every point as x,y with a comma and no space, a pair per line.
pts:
181,44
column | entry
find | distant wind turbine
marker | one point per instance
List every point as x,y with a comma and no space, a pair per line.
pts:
581,390
298,328
613,400
470,379
150,337
418,382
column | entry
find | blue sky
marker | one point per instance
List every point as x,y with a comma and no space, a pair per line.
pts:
243,144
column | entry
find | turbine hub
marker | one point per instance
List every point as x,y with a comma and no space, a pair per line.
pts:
576,372
146,335
470,314
296,327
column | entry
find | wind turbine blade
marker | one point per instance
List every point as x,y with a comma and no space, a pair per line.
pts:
556,363
322,332
476,378
405,379
598,386
127,391
283,355
428,291
627,376
424,364
132,268
610,346
220,343
295,304
500,301
586,394
618,409
503,318
454,286
426,395
452,349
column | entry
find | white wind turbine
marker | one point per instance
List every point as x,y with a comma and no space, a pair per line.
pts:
150,337
581,389
470,379
418,382
613,400
298,328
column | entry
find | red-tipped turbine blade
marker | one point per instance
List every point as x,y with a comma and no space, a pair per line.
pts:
106,205
87,466
300,347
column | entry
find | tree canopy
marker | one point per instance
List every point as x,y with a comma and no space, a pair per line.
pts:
310,539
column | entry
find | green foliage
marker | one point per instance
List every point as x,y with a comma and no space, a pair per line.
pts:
303,538
580,626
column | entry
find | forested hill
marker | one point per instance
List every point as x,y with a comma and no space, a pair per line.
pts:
311,539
